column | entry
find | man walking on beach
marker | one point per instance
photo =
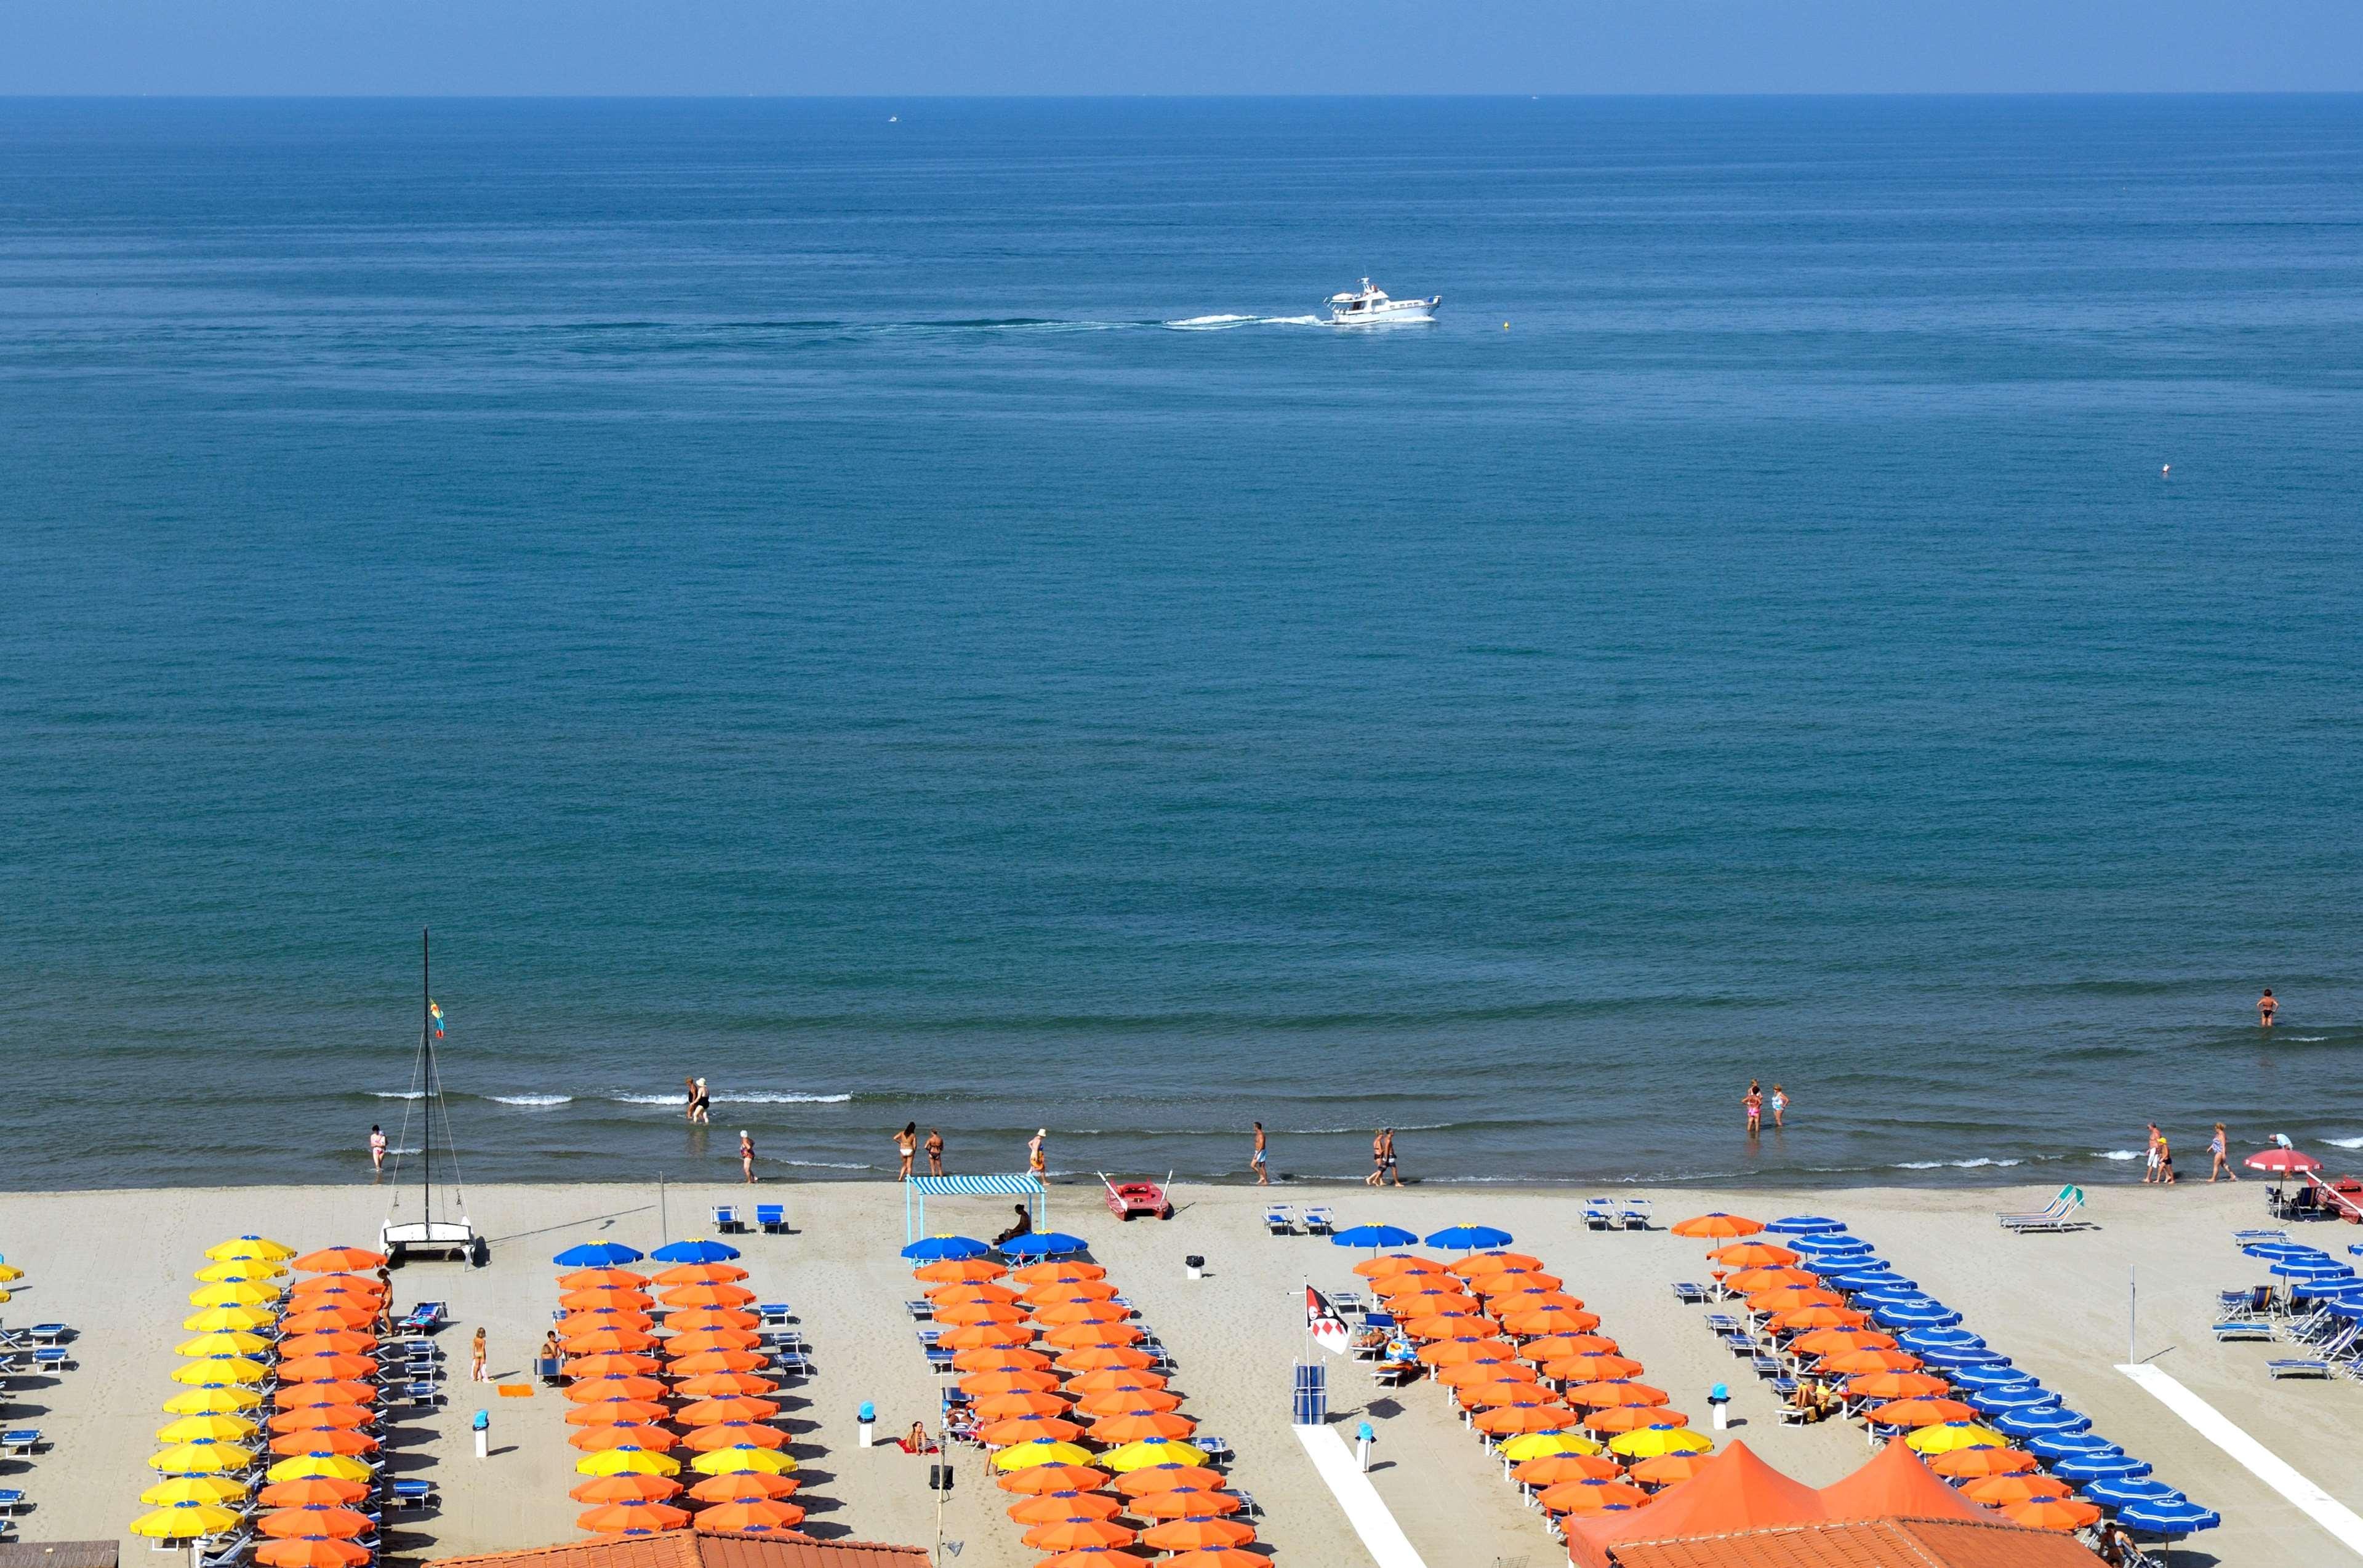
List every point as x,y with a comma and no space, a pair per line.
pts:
1259,1158
2157,1142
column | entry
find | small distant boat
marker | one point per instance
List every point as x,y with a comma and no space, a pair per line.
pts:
1369,306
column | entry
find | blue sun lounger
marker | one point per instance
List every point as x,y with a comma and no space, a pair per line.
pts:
1278,1219
20,1440
772,1218
1319,1221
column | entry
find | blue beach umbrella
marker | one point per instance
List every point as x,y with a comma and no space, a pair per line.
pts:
1913,1315
2067,1445
1919,1340
2168,1517
2311,1269
1878,1281
700,1251
1953,1361
2357,1250
1805,1225
2002,1402
1375,1237
1897,1293
2282,1249
596,1255
2118,1493
2043,1421
2093,1468
935,1248
2000,1375
1471,1238
1042,1244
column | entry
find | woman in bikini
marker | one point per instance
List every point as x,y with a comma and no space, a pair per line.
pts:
1754,1102
1378,1159
906,1143
935,1151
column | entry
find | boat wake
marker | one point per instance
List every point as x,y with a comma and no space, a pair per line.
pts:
1227,323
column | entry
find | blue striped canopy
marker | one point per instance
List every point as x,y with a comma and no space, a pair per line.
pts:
1009,1184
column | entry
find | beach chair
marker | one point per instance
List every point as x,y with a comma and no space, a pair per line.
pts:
2297,1366
773,1313
424,1319
20,1440
2060,1214
52,1358
1689,1292
421,1394
225,1551
920,1308
1385,1321
411,1493
1765,1366
2249,1238
1634,1215
1278,1219
940,1358
1319,1221
796,1361
550,1370
725,1220
48,1333
1216,1449
1349,1303
2249,1301
772,1218
1599,1214
1248,1504
11,1500
2242,1329
2305,1326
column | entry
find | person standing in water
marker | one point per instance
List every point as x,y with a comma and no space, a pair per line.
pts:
1261,1159
1779,1104
1754,1101
377,1147
2266,1007
2222,1166
935,1151
747,1154
906,1143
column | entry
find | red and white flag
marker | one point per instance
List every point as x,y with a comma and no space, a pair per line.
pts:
1322,1321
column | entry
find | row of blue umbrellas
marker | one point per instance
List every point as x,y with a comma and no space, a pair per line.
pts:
1455,1237
2008,1397
1033,1244
614,1255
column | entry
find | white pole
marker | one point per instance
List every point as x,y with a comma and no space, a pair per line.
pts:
663,1230
2133,1316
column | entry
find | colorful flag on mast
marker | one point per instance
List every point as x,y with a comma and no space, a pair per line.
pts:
435,1016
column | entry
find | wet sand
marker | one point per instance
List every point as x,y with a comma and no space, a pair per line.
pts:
116,1265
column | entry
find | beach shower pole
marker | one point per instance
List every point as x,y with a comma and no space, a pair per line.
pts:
2133,1315
663,1230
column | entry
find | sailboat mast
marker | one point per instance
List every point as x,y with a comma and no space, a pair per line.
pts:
426,1049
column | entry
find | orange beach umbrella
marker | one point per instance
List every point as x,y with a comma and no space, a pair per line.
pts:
1185,1503
1154,1479
978,1336
1558,1346
1391,1263
1870,1359
1191,1535
691,1319
750,1515
708,1296
598,1440
1060,1269
618,1518
311,1552
1752,1254
734,1434
738,1485
1127,1402
1748,1280
1717,1226
1001,1358
627,1489
725,1384
702,1274
977,1385
591,1390
1142,1426
1011,1430
710,1340
951,1270
1895,1385
1052,1506
601,1279
1590,1496
1633,1418
338,1523
961,1313
338,1260
1965,1464
1037,1479
616,1413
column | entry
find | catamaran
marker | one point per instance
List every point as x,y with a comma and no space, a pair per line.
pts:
432,1232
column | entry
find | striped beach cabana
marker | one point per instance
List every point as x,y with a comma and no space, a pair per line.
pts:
1016,1184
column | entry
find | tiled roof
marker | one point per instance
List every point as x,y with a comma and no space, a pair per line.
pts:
58,1554
688,1549
1876,1543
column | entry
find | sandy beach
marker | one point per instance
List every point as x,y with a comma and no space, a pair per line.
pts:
116,1265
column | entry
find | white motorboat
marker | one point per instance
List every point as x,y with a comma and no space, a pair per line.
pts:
1369,306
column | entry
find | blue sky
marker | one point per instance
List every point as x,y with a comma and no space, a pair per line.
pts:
913,47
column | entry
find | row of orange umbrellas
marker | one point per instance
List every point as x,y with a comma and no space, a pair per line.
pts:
1023,1394
622,1372
327,1403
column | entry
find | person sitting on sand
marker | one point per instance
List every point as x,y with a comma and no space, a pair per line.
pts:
1025,1226
915,1440
935,1151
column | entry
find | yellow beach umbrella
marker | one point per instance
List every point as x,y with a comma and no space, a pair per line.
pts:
1026,1455
207,1428
230,1319
6,1296
738,1461
201,1459
235,1295
10,1273
1947,1436
1542,1445
174,1491
236,1342
1141,1455
627,1462
250,1247
211,1401
1655,1443
185,1522
237,1271
336,1466
220,1369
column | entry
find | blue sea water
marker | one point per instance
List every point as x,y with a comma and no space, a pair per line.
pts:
907,618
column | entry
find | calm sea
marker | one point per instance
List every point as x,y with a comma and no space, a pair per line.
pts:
895,608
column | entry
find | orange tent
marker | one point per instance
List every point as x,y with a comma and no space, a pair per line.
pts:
1733,1491
1896,1482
